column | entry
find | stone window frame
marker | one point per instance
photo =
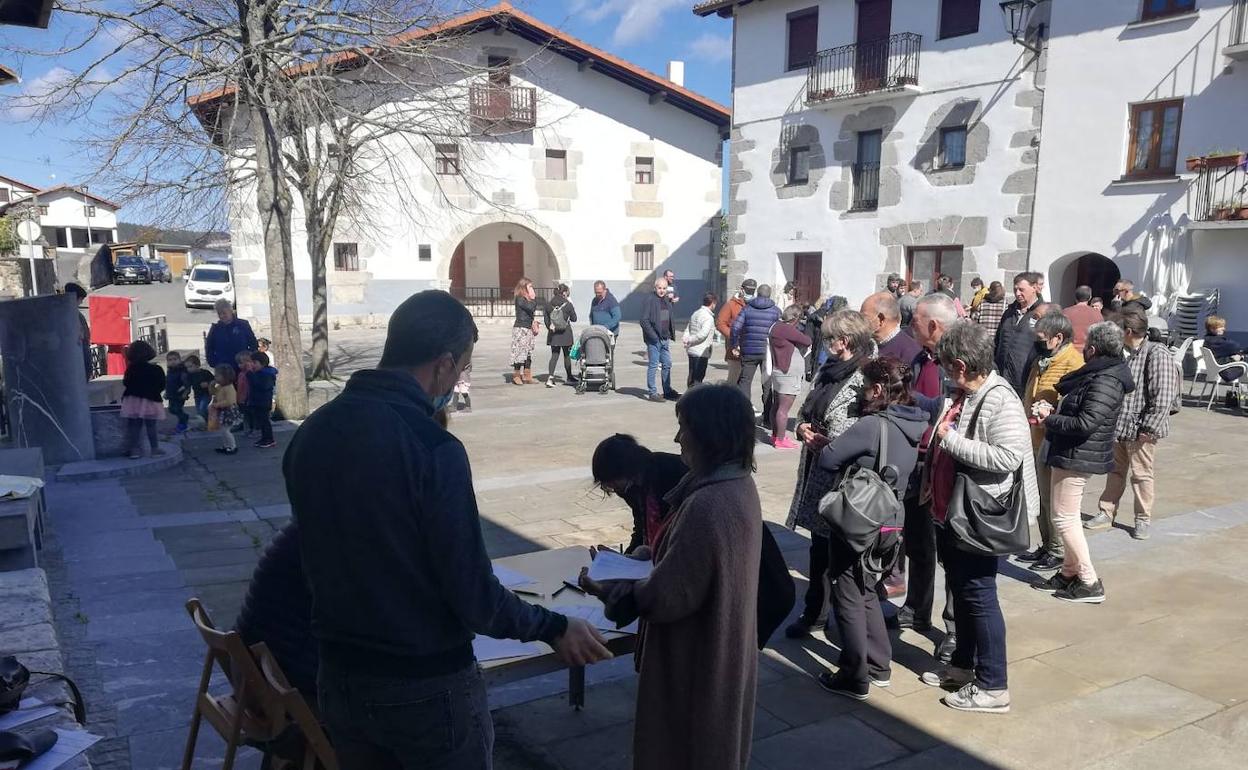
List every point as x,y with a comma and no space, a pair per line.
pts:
640,169
875,117
928,157
857,204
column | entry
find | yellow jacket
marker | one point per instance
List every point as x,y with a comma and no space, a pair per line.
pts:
1042,385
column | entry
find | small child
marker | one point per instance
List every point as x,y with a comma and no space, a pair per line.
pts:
199,380
462,388
261,382
141,403
177,388
246,426
263,344
225,407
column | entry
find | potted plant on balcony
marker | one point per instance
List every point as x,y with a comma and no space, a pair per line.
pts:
1225,210
1217,159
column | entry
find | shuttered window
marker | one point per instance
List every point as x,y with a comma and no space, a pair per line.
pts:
803,38
958,17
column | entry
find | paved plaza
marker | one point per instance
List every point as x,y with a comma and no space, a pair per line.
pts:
1154,678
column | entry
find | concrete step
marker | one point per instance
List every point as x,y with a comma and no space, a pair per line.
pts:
115,467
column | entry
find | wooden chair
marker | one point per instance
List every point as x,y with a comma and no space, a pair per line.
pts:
260,710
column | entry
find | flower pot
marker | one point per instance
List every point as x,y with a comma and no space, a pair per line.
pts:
1241,213
1223,214
1228,160
1196,164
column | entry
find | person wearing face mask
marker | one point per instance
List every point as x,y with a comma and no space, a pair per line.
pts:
1079,444
1056,357
391,547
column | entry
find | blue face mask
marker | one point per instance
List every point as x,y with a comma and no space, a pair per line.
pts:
441,402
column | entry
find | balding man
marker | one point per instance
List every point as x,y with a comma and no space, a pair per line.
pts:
658,331
883,312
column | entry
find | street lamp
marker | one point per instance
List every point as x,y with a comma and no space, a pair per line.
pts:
1017,15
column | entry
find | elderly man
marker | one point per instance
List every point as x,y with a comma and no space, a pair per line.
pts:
883,313
933,314
228,337
392,552
658,331
604,309
1016,336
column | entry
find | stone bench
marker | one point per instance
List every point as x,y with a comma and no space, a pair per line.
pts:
20,539
27,462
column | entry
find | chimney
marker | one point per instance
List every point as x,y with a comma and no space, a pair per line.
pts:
676,72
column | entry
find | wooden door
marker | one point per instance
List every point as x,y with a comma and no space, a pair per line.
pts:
500,87
808,275
458,279
875,18
510,265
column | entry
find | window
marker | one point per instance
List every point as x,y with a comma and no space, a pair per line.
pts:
556,164
644,173
4,195
446,159
500,70
55,236
952,147
346,257
1159,9
332,150
79,238
925,264
1154,145
799,165
867,171
643,256
89,210
803,38
43,210
424,252
101,236
958,17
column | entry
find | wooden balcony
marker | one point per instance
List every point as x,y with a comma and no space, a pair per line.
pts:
497,108
863,71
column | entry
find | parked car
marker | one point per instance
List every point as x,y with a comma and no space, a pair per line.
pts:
160,271
131,270
208,283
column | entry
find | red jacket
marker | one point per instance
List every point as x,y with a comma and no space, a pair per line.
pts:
1081,317
723,323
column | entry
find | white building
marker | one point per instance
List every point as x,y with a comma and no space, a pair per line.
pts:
992,157
607,172
73,219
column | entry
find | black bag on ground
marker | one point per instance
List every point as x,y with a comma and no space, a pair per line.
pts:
982,523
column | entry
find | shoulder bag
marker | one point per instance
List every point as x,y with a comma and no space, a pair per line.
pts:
865,501
982,523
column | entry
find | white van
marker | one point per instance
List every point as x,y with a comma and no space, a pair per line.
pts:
208,283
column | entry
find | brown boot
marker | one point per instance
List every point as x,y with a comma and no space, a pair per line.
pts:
528,376
515,378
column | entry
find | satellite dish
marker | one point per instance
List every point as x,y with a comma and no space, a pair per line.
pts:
29,230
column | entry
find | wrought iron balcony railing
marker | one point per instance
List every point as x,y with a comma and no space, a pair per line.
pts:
1220,192
887,64
1239,23
503,107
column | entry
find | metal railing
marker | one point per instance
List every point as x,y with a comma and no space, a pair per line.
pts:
503,106
1239,22
886,64
1220,192
99,361
866,187
495,302
153,331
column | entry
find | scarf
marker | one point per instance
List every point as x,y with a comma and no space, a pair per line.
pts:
831,377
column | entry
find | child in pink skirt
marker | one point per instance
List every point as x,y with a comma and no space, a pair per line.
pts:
141,405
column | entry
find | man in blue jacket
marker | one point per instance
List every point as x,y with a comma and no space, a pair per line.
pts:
392,550
658,330
750,334
604,310
228,337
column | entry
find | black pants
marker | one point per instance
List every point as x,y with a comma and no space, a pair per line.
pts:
816,592
262,418
555,351
866,652
697,370
134,431
920,540
749,367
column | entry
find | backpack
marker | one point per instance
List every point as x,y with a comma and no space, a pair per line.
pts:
559,318
864,503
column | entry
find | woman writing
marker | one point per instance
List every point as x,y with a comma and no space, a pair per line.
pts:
830,409
788,355
623,467
697,650
523,332
982,433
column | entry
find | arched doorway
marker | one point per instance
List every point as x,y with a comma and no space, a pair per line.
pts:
491,259
1087,269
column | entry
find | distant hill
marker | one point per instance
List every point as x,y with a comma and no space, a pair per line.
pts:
129,231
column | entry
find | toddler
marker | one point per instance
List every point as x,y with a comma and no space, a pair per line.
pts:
225,407
200,381
177,389
246,425
462,388
141,403
261,382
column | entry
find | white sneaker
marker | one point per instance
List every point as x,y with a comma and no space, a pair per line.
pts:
948,676
550,382
972,698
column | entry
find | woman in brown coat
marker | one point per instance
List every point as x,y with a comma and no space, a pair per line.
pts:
697,649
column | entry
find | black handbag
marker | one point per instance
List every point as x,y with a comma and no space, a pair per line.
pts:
982,523
15,677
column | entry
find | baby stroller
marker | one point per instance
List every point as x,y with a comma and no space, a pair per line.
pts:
597,359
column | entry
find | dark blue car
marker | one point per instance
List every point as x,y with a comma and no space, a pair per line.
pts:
131,270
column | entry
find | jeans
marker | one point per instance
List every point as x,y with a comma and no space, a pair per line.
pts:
1067,498
659,354
201,405
697,370
395,723
866,652
262,419
555,352
178,409
820,555
980,624
134,429
1137,457
919,536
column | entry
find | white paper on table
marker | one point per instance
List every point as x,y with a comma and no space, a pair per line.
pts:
608,565
512,579
28,710
489,648
69,744
596,616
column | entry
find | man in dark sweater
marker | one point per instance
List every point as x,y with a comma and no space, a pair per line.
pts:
658,330
1016,336
391,545
883,312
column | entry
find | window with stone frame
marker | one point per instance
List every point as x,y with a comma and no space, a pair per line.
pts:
1154,140
959,17
643,257
446,159
347,257
799,164
557,164
1160,9
643,171
803,42
925,264
952,147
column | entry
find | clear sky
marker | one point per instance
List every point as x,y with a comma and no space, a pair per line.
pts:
648,33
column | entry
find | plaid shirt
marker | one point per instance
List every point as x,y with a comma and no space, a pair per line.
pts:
1157,384
988,315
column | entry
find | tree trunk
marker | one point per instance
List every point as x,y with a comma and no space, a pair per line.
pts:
318,252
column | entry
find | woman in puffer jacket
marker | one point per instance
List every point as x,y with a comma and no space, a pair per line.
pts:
698,338
1079,444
